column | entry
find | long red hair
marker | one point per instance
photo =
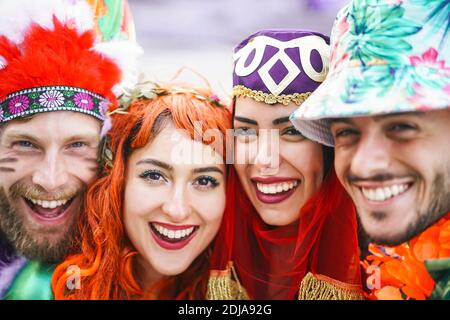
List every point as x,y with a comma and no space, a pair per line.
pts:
271,262
106,258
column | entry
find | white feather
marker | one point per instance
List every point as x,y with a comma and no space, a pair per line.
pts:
125,53
16,16
3,62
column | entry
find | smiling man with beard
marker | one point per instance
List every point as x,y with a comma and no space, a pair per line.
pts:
385,107
60,66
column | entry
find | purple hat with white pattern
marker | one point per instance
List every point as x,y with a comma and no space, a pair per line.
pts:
280,66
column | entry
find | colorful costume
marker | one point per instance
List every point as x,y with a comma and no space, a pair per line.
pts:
316,257
52,59
390,57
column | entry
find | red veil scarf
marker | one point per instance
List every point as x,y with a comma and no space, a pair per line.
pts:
272,261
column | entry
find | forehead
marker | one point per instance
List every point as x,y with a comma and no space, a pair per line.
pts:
58,125
249,108
382,118
176,148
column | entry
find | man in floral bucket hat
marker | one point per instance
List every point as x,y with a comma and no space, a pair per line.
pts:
61,64
385,107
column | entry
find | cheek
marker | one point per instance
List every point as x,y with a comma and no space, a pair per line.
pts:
342,163
245,152
306,158
85,170
8,179
137,212
242,160
210,209
21,168
89,175
140,200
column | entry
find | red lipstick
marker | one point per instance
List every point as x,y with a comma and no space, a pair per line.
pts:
172,243
277,197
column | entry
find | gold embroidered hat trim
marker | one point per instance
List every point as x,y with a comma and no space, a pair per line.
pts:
269,98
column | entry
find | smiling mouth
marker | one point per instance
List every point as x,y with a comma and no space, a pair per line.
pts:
172,236
272,193
49,210
381,194
276,188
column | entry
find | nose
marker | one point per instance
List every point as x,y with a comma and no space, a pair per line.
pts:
267,159
177,206
51,174
372,156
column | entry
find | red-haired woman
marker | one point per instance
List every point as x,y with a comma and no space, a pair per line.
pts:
292,232
152,216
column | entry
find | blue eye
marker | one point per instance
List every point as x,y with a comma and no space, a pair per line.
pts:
24,144
245,132
206,182
77,144
153,176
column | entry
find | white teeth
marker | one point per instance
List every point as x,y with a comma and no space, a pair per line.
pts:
49,204
387,192
276,187
379,194
383,194
171,234
395,190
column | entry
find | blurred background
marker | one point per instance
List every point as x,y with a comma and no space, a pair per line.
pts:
201,34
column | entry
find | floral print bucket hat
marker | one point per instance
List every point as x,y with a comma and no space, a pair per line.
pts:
388,56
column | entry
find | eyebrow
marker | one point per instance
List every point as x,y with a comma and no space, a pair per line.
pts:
275,122
394,115
157,163
207,169
17,135
20,135
280,120
344,120
88,136
245,120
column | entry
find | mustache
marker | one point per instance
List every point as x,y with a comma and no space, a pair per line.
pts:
382,177
21,189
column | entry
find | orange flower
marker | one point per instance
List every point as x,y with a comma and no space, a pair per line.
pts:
402,270
427,245
389,293
444,238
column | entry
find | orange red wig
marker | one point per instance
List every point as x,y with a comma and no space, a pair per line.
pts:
106,255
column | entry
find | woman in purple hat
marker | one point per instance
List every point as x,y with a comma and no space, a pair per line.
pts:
290,231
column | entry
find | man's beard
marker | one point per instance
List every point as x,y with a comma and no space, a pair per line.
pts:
14,230
438,207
